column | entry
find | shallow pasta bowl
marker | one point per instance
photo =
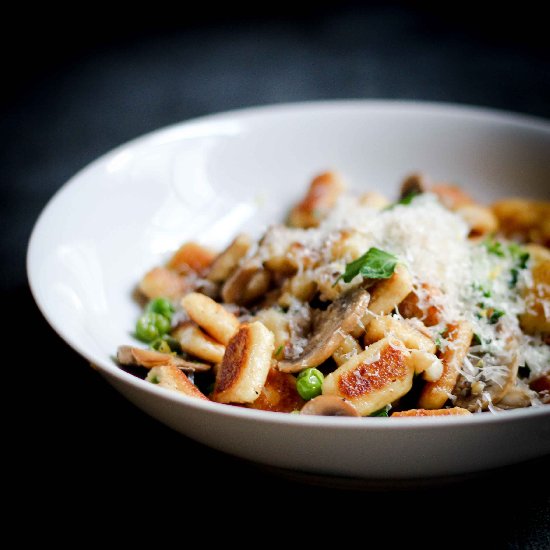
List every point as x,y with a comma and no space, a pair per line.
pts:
210,178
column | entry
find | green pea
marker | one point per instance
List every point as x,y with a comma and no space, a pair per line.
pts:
161,345
163,306
166,344
151,326
309,383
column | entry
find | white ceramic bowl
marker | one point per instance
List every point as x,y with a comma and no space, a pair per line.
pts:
209,178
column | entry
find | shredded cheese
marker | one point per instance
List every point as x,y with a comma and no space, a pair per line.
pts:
464,280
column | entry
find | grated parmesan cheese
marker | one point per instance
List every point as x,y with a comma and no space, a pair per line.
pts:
462,278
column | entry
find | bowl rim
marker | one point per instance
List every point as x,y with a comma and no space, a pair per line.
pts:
179,129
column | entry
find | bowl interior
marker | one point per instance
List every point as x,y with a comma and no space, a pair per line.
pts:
208,179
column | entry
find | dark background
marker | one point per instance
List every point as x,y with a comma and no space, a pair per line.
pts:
77,82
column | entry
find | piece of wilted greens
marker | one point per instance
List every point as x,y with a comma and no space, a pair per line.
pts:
494,247
404,201
381,412
521,257
374,264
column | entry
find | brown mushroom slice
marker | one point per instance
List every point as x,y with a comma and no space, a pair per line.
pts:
413,184
147,358
329,405
518,397
435,394
481,394
247,283
337,321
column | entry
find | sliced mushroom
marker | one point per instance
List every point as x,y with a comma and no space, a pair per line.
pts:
329,405
481,394
413,184
137,357
337,321
518,397
247,283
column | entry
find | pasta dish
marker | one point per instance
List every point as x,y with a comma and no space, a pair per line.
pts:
428,305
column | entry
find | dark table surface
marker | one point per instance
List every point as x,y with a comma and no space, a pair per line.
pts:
78,91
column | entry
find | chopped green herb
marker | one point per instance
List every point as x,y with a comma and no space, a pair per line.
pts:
484,291
374,264
408,198
405,201
476,340
494,247
279,350
519,254
514,276
381,412
495,316
521,257
154,380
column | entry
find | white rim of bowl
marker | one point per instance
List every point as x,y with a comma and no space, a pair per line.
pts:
110,369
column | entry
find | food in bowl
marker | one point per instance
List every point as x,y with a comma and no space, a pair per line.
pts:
431,305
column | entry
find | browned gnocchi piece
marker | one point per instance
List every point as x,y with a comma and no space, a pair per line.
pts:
435,394
322,194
